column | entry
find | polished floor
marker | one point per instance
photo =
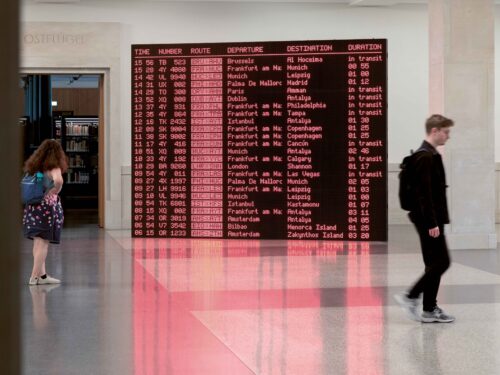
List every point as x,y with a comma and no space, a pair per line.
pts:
148,306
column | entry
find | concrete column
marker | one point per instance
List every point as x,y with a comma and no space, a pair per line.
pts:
10,162
462,87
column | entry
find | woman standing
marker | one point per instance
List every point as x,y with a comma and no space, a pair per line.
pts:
43,222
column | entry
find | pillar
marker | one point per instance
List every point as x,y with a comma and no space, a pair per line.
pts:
462,87
10,207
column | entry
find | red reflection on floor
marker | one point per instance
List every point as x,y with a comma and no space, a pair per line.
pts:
364,327
178,248
250,299
168,338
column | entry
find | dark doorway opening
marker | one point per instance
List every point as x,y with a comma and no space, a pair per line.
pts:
67,107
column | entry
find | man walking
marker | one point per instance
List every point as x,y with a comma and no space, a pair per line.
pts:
429,214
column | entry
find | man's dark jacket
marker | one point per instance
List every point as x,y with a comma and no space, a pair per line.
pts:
431,208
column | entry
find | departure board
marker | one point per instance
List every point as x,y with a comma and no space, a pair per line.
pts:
260,140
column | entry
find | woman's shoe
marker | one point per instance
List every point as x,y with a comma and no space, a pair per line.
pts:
48,280
40,280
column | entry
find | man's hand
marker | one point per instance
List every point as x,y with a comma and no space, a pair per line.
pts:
434,232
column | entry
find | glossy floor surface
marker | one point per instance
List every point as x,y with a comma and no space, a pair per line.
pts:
137,306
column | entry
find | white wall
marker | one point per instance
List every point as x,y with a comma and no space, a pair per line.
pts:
405,27
497,86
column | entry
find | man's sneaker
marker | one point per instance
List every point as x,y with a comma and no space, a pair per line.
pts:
33,280
48,280
437,315
409,305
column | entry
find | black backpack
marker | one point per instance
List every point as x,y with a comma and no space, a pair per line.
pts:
407,195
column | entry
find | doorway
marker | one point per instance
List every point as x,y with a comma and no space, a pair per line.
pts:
69,108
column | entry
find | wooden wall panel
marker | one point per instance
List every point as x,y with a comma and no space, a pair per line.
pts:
20,97
101,175
81,101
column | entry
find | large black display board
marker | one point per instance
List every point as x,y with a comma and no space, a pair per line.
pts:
274,140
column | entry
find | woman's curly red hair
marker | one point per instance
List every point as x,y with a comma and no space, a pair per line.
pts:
48,155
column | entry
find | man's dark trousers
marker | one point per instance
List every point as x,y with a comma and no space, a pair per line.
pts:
436,260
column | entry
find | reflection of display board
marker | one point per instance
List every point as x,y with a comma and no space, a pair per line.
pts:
275,140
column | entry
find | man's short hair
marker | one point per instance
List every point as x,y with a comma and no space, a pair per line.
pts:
439,122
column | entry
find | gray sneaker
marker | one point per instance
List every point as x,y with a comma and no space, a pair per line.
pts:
436,316
409,305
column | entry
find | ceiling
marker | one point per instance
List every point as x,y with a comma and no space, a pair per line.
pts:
74,81
368,3
353,3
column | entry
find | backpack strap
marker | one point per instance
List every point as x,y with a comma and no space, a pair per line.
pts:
420,149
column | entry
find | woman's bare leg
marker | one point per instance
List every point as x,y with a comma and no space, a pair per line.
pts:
40,250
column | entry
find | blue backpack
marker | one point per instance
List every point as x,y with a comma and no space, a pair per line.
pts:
32,189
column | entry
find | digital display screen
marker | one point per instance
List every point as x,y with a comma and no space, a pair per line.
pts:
260,140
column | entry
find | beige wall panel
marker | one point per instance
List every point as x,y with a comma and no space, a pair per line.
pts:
85,48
